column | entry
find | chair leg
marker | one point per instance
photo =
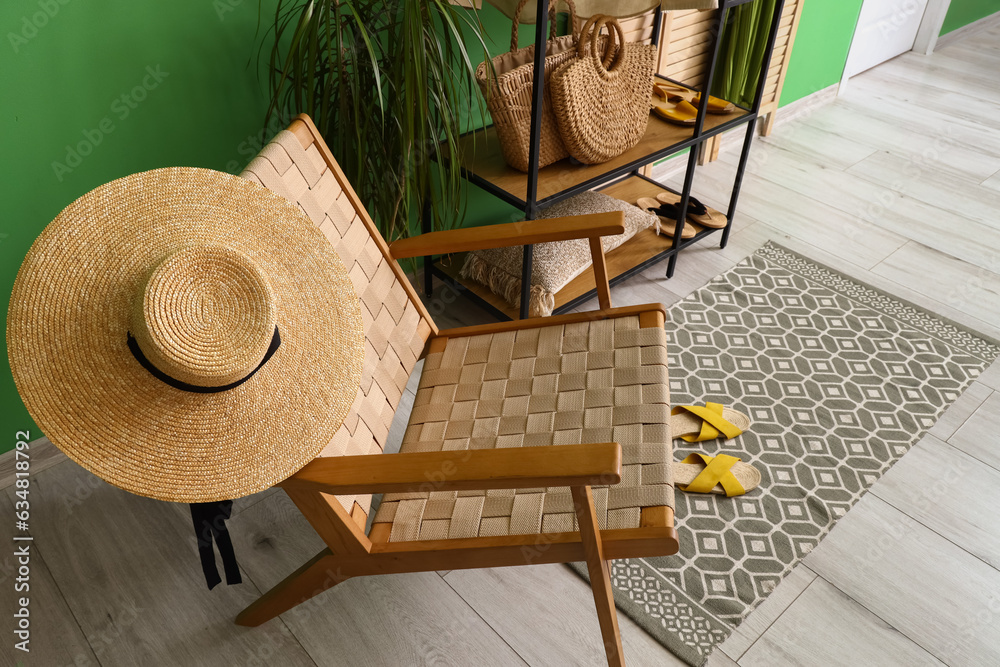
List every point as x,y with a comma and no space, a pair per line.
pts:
600,575
316,576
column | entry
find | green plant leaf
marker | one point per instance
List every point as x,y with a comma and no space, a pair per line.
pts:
389,84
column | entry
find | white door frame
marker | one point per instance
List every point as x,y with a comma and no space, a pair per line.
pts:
930,26
927,34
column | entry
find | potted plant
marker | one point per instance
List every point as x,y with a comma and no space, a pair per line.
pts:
390,85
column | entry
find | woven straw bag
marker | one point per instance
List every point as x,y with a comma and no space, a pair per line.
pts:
601,98
507,89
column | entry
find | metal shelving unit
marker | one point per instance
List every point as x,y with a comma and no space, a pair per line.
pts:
540,188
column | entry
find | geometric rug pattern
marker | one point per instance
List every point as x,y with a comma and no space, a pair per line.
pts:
839,379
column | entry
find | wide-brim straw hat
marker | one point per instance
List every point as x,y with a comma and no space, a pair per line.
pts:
185,335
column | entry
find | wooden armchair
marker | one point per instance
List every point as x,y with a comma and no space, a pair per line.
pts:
536,441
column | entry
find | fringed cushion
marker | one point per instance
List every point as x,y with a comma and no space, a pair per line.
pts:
554,265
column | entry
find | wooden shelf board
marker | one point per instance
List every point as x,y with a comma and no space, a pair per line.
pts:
640,248
481,157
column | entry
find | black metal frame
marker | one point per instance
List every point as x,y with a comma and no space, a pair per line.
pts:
531,205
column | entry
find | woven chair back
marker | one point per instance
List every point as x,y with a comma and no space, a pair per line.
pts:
300,168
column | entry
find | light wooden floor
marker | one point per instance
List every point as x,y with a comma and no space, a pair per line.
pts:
898,184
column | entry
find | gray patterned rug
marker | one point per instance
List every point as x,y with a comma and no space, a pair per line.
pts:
840,381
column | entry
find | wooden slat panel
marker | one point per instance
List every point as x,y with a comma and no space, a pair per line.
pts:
692,51
774,69
685,17
690,77
687,39
636,29
697,34
643,34
693,81
689,70
790,8
638,23
778,55
786,57
698,60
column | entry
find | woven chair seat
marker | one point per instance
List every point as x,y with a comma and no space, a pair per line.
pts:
587,382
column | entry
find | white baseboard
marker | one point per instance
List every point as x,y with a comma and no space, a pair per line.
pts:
786,114
806,105
959,34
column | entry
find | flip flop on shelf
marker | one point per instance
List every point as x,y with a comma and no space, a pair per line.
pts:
696,423
672,108
666,215
721,474
696,211
670,92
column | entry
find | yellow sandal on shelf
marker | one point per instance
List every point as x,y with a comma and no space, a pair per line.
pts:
670,92
672,108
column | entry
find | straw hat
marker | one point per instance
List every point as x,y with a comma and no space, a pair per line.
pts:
185,335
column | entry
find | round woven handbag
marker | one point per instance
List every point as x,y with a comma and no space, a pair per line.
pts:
600,98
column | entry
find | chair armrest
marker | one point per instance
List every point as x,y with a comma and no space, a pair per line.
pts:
528,232
463,470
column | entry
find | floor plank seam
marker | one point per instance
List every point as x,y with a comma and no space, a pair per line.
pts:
789,606
973,323
890,626
777,180
239,511
34,473
966,421
488,624
62,596
291,633
874,491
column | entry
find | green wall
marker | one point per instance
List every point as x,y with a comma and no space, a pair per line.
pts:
963,12
826,29
97,90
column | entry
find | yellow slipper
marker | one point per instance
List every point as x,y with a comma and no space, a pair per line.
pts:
669,91
672,108
722,474
680,113
696,423
716,105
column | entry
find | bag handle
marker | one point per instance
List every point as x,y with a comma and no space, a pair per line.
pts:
553,7
603,65
586,38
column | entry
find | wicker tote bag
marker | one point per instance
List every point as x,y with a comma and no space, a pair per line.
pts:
507,88
600,98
